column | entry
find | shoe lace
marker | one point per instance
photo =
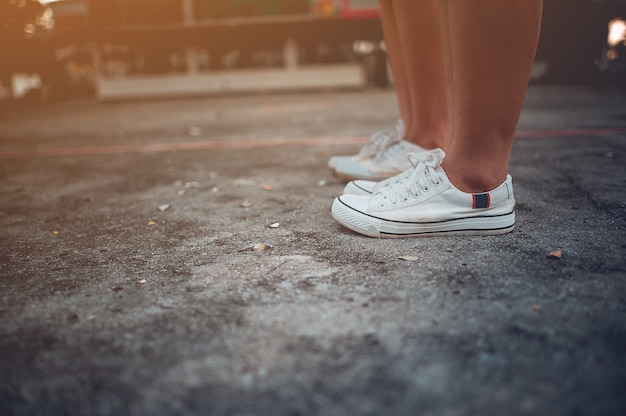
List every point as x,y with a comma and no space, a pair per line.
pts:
414,181
400,177
390,146
373,145
380,142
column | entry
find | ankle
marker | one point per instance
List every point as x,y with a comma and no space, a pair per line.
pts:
427,141
471,180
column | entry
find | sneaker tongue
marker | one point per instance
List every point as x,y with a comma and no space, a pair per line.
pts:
439,154
390,141
373,145
400,129
431,158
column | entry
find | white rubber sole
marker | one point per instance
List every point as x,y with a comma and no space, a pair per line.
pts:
381,228
348,177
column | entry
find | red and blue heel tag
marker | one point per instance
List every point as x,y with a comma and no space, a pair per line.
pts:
481,201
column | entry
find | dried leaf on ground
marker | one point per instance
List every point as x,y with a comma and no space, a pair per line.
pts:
56,232
408,258
555,254
260,247
151,222
536,308
267,187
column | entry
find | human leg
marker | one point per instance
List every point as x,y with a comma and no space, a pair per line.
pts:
373,161
489,50
486,87
416,61
393,45
420,62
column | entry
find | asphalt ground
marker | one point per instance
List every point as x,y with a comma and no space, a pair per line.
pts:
130,285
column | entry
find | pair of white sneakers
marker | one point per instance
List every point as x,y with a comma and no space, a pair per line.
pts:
384,200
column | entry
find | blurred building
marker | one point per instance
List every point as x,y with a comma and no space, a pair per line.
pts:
165,47
202,46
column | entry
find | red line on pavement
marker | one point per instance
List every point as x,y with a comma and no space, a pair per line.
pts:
246,144
569,132
163,147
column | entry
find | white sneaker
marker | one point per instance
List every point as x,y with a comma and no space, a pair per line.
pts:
425,203
384,155
370,148
390,160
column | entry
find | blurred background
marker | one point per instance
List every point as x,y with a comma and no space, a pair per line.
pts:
125,49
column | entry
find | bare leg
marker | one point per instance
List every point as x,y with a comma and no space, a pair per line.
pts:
384,156
489,49
421,50
394,55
